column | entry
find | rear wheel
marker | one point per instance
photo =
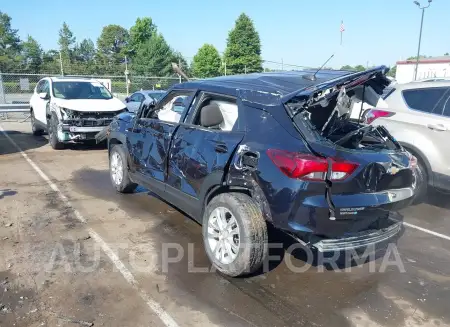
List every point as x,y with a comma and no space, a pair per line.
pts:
52,128
235,234
34,128
421,182
118,170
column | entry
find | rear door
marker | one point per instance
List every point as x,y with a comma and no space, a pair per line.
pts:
199,156
431,115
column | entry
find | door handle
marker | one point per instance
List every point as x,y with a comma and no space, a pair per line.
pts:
437,127
134,130
221,148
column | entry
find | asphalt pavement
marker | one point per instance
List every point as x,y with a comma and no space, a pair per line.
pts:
73,252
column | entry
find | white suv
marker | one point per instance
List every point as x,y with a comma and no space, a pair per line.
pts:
417,114
71,109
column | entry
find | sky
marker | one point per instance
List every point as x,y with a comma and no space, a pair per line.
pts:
297,32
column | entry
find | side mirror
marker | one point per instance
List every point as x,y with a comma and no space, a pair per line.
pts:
44,95
127,99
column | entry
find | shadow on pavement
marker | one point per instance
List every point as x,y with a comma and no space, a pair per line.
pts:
7,192
438,198
26,141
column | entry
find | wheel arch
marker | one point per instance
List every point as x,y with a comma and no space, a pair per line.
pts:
255,193
420,156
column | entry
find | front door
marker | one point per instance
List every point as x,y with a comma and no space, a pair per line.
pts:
150,138
40,105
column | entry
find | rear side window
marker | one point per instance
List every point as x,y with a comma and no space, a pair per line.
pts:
426,100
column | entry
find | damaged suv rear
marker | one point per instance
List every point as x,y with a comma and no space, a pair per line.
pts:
274,147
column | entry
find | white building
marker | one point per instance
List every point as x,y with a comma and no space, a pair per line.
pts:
428,68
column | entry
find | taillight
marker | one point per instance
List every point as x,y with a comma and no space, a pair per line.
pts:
373,114
310,167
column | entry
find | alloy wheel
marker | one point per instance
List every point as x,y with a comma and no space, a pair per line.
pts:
223,235
116,168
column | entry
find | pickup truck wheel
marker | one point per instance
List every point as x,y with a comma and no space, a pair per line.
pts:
52,128
34,128
118,170
235,234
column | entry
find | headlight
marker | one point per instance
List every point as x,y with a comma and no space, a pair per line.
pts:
68,113
121,111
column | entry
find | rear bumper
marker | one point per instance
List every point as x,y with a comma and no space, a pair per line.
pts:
355,214
359,240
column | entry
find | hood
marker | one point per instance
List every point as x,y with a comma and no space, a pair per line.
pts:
324,91
87,105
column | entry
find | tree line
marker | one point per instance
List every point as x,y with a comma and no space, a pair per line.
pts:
143,47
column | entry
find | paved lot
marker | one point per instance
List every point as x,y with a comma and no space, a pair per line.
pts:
75,253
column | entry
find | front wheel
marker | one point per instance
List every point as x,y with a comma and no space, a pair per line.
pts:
34,128
235,234
52,128
118,170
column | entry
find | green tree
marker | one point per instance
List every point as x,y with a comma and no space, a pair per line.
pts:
66,42
9,44
415,57
141,32
243,52
347,67
392,72
50,62
32,54
446,54
112,47
360,68
153,57
85,51
206,62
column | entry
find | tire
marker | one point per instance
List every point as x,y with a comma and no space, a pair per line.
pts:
250,227
118,167
422,183
53,133
34,128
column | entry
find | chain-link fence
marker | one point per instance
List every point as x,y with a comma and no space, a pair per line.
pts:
18,88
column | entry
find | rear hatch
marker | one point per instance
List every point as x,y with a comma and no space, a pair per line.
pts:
382,178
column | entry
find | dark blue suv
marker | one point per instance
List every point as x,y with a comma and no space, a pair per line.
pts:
239,152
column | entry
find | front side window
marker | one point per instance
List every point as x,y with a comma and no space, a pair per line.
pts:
426,100
80,90
173,106
39,86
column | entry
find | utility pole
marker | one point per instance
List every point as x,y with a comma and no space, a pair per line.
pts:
282,64
245,69
420,35
60,63
225,67
126,76
179,65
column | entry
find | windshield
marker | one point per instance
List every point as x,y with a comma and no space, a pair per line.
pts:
80,90
156,96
